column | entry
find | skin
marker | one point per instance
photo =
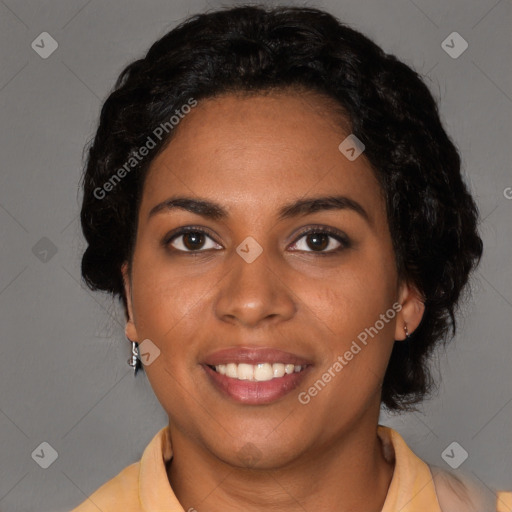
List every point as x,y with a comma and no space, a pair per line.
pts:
252,155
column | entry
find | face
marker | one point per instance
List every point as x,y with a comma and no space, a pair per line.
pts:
260,299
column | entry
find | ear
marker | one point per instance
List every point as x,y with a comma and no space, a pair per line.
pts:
410,315
130,329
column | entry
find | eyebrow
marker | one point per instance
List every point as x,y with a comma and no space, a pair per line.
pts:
300,207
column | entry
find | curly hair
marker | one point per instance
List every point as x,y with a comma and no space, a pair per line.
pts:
254,49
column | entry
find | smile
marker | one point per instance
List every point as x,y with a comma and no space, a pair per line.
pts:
255,375
260,372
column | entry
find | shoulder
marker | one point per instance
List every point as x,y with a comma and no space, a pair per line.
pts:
457,491
120,491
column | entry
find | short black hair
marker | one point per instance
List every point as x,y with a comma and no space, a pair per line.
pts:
256,49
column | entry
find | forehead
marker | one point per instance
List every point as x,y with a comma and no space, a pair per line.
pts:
257,150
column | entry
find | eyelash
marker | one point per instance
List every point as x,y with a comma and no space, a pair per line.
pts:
319,230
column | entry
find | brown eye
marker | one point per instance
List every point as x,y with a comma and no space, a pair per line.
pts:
191,240
321,241
317,241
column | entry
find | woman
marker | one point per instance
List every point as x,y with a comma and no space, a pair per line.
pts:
279,208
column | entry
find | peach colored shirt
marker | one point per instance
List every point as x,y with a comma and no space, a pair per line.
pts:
144,487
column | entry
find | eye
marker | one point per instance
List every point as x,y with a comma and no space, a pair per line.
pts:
321,240
191,239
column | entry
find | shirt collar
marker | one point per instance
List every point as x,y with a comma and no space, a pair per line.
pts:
411,488
154,489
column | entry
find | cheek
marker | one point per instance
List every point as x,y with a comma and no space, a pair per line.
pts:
348,307
169,310
352,297
359,331
167,301
356,349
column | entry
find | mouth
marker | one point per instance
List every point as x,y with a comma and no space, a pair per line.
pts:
255,376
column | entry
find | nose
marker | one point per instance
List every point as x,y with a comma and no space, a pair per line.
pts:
254,293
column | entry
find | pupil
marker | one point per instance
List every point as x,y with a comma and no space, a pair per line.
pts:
195,238
320,240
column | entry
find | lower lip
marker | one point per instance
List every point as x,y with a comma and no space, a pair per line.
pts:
256,393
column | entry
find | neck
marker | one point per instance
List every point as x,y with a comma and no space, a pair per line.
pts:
340,476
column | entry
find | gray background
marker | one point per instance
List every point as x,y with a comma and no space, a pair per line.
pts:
64,377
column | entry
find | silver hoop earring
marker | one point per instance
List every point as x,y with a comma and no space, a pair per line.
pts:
134,360
407,335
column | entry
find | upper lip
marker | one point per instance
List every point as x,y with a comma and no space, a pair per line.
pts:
254,356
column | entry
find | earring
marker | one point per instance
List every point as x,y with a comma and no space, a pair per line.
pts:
407,335
134,361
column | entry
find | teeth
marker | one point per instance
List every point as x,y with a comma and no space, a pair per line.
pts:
263,372
245,372
231,370
278,369
257,372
